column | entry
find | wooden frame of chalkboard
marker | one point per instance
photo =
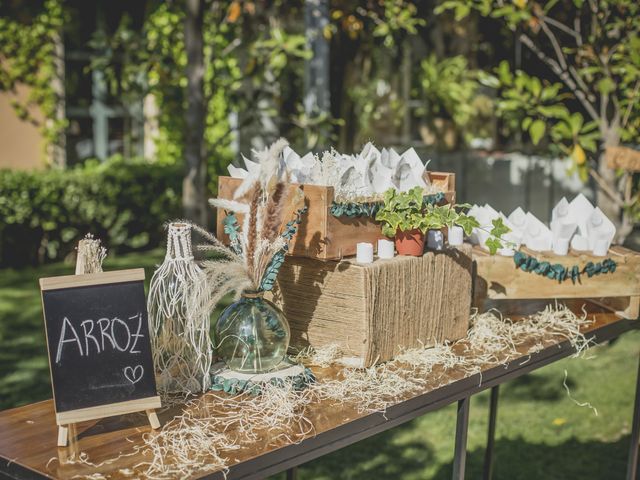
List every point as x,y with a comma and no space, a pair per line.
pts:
126,286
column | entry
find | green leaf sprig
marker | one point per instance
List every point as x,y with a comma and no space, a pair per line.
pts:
494,242
408,211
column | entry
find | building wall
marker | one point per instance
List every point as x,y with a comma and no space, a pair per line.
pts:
21,143
509,180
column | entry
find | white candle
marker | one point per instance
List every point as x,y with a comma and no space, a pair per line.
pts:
456,235
364,252
435,239
601,247
385,248
580,243
560,246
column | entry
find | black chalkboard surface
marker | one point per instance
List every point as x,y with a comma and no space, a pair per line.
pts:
98,341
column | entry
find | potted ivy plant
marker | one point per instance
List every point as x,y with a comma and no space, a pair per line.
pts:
407,217
402,217
451,217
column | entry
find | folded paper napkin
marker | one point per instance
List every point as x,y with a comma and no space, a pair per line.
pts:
578,221
366,174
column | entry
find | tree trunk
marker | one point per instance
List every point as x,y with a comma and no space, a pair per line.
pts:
610,207
58,151
317,97
193,186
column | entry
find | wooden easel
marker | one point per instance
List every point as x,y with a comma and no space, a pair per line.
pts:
66,420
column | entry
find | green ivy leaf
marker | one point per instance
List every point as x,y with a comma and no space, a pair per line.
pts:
499,228
493,244
468,223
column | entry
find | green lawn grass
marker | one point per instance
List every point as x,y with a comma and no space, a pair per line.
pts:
541,432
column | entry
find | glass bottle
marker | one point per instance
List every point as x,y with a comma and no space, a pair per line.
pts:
182,350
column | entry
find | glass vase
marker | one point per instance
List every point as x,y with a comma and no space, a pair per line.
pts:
252,335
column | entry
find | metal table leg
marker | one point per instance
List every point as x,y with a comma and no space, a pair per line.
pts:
292,473
462,426
491,434
632,466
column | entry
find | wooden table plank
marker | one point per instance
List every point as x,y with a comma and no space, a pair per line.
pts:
28,434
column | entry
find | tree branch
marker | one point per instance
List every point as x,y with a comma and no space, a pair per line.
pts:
560,54
577,27
612,194
563,75
581,83
604,105
634,96
556,46
563,27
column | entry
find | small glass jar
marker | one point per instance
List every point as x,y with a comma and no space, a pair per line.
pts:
252,334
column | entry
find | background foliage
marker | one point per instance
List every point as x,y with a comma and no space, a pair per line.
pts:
558,77
28,57
44,214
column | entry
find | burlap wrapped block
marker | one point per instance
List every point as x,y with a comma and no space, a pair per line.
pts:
374,311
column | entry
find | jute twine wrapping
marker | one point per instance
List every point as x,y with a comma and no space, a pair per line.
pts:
375,311
416,301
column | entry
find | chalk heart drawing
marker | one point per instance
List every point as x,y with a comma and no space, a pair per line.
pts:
133,374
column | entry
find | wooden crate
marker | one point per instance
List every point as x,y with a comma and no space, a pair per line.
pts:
321,235
374,311
497,278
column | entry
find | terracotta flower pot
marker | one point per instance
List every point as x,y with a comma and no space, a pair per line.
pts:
410,242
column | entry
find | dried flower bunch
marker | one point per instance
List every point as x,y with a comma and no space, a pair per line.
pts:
91,254
267,204
270,209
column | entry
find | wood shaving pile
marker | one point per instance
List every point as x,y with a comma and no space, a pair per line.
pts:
212,426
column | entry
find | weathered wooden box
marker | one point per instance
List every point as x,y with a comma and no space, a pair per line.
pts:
497,278
321,235
374,311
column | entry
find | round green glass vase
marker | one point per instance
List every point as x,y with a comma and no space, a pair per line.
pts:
252,334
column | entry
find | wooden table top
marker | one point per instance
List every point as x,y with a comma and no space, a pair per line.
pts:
28,434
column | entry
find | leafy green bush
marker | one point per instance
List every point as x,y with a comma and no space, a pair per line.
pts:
452,101
124,202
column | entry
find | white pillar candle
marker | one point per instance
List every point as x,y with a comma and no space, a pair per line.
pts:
601,247
435,239
385,248
560,246
580,243
364,252
456,235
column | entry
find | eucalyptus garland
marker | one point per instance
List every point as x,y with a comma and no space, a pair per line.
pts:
370,209
237,386
559,272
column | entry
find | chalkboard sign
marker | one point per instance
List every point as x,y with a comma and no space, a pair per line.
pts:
98,341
